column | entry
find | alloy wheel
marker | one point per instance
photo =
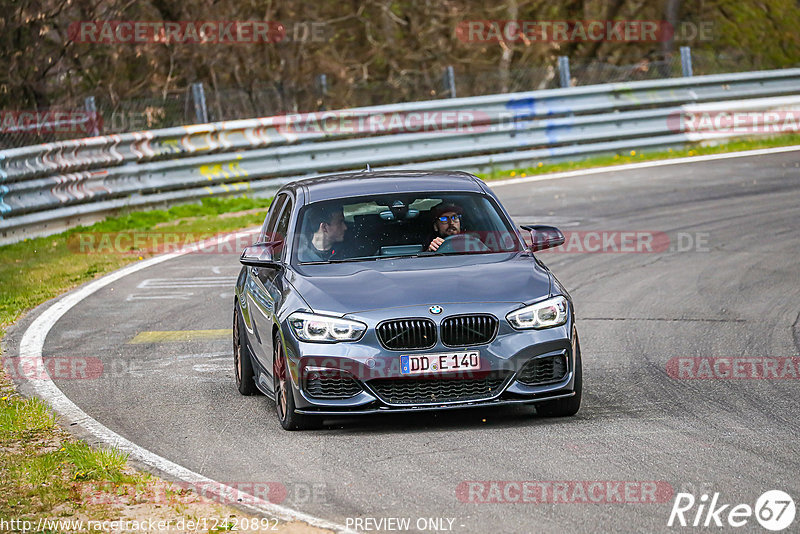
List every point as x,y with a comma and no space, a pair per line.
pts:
279,373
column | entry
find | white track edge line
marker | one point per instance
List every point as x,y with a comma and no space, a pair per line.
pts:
644,165
32,345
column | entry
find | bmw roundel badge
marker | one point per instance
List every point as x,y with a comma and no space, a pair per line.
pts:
436,310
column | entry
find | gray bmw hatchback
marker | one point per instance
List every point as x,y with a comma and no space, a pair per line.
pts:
378,292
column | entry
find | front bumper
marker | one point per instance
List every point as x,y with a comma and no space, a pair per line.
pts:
368,362
428,408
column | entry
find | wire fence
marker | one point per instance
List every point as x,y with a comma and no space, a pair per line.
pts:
82,118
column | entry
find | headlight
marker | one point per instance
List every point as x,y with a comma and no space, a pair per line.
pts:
545,314
322,329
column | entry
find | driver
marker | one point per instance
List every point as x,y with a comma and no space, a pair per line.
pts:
446,223
326,228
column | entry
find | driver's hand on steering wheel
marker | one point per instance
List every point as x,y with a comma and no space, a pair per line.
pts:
435,244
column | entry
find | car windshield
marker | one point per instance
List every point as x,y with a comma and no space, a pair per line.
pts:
402,225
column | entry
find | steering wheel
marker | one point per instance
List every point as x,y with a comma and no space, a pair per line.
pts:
462,243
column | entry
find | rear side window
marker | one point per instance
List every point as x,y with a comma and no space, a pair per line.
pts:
268,230
283,228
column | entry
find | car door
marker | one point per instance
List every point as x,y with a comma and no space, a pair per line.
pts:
253,300
265,290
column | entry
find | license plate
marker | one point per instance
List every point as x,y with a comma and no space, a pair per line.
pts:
414,364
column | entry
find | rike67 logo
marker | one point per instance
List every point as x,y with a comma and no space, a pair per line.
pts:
774,510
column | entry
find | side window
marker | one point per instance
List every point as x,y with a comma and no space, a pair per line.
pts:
283,227
268,229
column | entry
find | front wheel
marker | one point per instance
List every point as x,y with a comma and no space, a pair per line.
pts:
569,406
284,394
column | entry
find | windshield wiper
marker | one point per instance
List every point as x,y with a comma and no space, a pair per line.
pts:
425,254
342,260
365,258
395,256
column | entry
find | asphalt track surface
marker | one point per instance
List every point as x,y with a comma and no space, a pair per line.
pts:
737,294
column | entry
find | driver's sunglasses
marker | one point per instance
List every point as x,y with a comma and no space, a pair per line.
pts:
452,218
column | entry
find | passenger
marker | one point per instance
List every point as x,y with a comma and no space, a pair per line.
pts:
446,223
323,227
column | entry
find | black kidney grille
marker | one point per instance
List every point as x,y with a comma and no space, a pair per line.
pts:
434,390
405,334
540,371
331,384
468,330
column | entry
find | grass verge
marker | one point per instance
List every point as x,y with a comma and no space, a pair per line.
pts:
636,156
47,474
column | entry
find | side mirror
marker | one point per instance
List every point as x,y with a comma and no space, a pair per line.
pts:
260,255
543,237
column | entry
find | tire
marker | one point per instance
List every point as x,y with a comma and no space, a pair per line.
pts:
569,406
284,394
242,360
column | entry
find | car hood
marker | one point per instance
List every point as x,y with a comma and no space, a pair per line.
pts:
371,285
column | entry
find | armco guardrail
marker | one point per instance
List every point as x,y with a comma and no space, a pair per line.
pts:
44,188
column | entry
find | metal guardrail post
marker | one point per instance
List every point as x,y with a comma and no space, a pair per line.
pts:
199,100
322,81
450,81
91,109
686,61
563,71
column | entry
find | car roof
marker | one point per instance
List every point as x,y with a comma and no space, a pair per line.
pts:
354,184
